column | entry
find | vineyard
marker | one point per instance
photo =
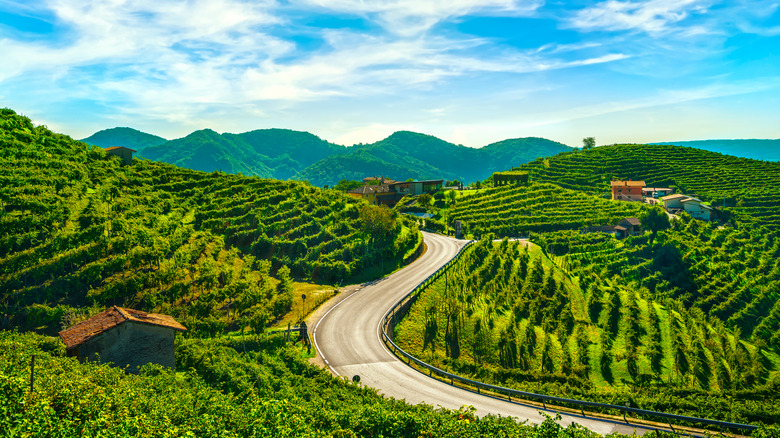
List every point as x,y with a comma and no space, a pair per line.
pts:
80,232
518,210
572,326
252,387
748,188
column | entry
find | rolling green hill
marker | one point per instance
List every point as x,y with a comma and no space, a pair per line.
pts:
750,189
768,150
268,153
286,154
127,137
406,155
79,232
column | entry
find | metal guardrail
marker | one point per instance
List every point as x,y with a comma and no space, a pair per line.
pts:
412,296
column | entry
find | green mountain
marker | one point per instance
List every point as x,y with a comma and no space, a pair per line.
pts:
127,137
287,154
411,155
268,153
79,231
767,150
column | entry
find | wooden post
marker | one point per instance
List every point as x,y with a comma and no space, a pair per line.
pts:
32,374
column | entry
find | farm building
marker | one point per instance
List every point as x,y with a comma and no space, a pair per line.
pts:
627,190
124,337
126,154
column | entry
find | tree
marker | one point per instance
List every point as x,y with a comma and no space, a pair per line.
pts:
377,222
588,143
424,200
655,220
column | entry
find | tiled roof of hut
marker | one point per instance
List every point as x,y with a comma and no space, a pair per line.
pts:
110,318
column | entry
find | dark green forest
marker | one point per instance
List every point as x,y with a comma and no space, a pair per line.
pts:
81,232
287,154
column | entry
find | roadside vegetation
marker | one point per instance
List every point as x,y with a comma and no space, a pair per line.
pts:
508,314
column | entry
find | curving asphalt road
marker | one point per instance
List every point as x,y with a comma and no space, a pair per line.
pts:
347,338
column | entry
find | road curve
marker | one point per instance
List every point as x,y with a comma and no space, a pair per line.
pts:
347,338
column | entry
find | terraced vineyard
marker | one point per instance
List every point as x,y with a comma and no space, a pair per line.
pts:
730,275
749,188
79,232
518,210
507,314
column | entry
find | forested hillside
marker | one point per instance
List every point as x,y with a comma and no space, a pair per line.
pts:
127,137
79,232
748,188
406,155
597,324
268,153
287,154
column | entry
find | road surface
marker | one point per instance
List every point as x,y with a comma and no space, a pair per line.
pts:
348,339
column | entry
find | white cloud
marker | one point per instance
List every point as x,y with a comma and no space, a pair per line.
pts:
653,17
412,17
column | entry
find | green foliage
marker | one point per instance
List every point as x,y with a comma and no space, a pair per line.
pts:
81,232
746,188
347,185
515,211
226,388
523,320
411,155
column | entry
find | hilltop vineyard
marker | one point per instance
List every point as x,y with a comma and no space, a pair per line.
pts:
748,188
81,231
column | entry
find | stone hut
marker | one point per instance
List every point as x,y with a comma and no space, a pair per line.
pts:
124,337
126,154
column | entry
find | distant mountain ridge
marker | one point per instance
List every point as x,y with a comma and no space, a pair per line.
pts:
767,150
123,136
287,154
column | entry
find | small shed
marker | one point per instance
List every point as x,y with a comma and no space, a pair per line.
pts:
632,225
124,337
126,154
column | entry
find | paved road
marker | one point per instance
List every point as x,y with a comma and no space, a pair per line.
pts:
347,337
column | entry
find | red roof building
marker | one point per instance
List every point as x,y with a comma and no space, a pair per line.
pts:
124,337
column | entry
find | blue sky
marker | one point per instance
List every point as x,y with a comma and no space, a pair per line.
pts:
468,71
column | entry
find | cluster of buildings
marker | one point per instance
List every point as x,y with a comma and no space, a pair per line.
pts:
628,190
382,191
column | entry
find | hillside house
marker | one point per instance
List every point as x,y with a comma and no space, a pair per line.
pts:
414,188
124,337
627,190
389,193
126,154
693,206
632,226
656,192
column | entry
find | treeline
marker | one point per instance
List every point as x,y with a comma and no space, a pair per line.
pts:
226,388
79,232
507,314
747,188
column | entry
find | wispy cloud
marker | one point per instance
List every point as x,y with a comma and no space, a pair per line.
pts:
654,17
412,17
